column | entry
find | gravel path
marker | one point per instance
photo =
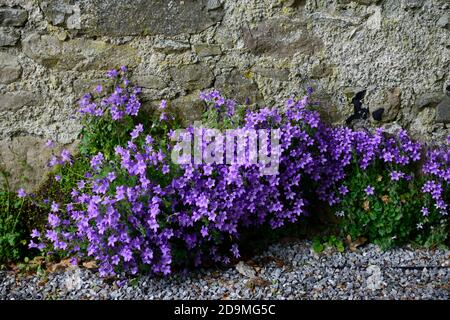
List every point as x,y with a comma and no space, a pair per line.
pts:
283,271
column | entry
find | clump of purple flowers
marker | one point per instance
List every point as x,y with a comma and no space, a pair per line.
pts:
437,171
121,102
136,210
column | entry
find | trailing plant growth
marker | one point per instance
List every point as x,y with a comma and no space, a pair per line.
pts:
131,208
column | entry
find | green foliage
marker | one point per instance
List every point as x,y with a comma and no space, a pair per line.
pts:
320,243
102,134
317,245
12,231
217,118
32,266
392,215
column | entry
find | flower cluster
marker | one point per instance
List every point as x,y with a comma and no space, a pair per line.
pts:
136,210
121,102
437,170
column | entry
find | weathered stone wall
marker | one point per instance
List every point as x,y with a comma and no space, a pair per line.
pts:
372,62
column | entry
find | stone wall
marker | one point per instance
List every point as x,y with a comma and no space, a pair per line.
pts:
371,62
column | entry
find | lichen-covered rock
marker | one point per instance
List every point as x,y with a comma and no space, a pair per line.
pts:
392,107
189,108
150,81
83,86
443,111
171,46
25,158
10,69
412,4
273,73
150,17
57,11
362,2
8,37
82,54
281,37
16,100
320,71
443,21
12,17
192,76
236,85
428,100
207,50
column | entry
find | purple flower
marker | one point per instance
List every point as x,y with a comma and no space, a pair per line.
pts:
55,207
126,254
138,208
97,161
163,105
163,116
343,190
112,240
81,184
52,235
50,143
395,175
35,233
235,251
53,220
112,73
53,161
149,140
425,211
65,156
136,131
369,190
204,231
21,193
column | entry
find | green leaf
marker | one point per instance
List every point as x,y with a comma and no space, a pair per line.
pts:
317,246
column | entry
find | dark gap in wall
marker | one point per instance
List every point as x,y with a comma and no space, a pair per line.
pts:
359,113
378,114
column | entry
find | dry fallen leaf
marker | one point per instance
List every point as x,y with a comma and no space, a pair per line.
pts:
90,264
60,266
385,199
42,282
245,270
257,282
366,205
353,245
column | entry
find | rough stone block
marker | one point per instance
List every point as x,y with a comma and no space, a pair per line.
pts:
236,86
281,37
8,37
84,54
150,17
13,101
443,111
206,50
192,76
10,69
13,17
